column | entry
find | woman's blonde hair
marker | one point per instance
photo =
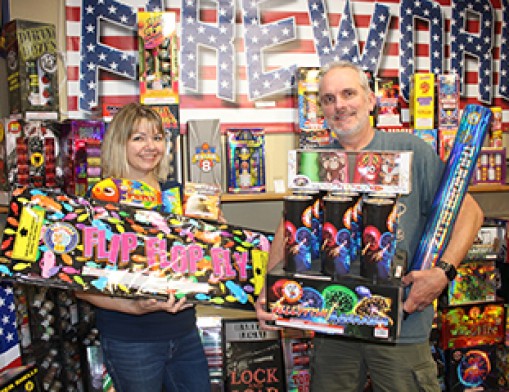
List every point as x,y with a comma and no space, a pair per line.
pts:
124,124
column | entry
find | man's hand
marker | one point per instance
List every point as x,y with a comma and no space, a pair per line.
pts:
427,285
261,313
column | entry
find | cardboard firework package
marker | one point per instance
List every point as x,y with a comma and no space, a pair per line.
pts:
205,158
358,171
353,306
158,53
55,239
32,69
246,160
453,185
252,358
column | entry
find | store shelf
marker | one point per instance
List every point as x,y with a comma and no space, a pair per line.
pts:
272,196
246,197
488,188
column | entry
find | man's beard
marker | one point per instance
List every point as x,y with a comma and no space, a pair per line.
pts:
346,133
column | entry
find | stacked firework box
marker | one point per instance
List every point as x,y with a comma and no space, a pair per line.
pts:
340,247
318,289
311,127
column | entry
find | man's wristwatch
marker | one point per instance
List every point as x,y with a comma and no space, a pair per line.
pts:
449,269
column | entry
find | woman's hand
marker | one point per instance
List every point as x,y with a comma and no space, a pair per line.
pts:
172,305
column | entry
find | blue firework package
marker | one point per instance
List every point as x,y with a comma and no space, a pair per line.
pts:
55,239
352,307
453,185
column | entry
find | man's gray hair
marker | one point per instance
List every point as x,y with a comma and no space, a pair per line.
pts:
345,64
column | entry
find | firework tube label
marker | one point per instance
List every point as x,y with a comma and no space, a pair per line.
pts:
298,235
454,184
337,235
378,238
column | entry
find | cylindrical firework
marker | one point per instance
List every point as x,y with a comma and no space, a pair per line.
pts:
336,235
378,237
355,222
297,232
452,188
316,219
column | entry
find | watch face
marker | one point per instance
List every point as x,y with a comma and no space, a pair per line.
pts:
450,270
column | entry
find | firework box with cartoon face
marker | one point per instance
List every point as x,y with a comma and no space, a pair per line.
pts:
158,54
59,240
352,307
358,171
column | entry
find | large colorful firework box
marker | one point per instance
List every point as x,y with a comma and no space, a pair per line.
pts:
55,239
350,306
472,325
359,171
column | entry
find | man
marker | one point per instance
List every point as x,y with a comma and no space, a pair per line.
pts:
341,363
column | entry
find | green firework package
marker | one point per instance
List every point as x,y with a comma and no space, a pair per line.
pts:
31,49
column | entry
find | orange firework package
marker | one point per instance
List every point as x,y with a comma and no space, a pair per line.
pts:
55,239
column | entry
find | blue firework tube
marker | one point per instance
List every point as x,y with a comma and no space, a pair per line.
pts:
454,184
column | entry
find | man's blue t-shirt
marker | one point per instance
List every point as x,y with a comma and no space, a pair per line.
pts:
413,210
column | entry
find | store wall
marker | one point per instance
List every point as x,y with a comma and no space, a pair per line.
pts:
257,215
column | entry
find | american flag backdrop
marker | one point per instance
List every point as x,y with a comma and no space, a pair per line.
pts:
10,355
237,57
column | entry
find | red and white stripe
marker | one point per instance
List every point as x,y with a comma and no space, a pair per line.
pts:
276,115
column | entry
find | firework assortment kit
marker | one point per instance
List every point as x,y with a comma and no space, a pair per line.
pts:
54,239
353,306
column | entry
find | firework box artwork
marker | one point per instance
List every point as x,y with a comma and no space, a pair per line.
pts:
471,325
157,44
246,160
252,358
359,171
31,49
54,239
351,306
